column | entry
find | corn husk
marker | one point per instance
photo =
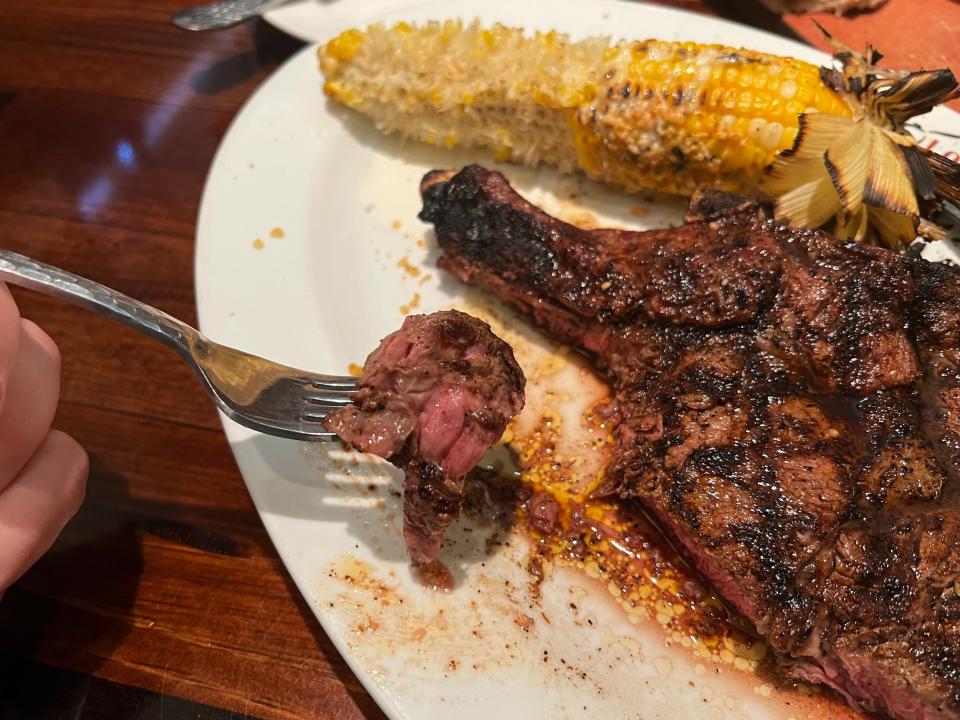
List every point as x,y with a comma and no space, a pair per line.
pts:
865,176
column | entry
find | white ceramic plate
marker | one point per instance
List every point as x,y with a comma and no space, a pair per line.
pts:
351,260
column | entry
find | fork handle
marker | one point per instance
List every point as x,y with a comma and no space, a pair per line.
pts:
26,272
223,14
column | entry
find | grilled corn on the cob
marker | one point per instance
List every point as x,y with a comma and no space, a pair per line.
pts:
663,115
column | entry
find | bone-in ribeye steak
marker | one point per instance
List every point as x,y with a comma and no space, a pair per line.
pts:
433,397
790,411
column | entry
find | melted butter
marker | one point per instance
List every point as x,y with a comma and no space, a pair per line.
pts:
412,304
566,454
410,269
618,546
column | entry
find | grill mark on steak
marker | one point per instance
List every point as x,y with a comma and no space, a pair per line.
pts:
790,413
433,397
937,322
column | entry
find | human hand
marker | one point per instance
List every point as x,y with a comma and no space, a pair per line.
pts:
43,472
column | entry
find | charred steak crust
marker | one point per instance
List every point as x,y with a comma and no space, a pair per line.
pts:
789,410
432,399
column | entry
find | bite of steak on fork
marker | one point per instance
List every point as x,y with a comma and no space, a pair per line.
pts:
433,398
790,412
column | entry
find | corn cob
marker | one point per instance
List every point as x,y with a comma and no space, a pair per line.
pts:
657,115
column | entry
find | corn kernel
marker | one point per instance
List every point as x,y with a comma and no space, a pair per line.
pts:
771,136
788,90
795,108
345,45
789,136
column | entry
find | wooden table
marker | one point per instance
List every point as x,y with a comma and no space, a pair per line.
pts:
164,597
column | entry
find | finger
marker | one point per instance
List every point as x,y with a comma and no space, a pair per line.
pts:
33,387
39,502
9,337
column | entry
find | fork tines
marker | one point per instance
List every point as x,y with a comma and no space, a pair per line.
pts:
326,393
333,382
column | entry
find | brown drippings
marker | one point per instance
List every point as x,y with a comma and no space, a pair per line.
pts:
359,575
492,496
617,544
412,304
434,575
411,270
583,219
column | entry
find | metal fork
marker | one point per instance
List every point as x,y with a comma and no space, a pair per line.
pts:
260,394
223,14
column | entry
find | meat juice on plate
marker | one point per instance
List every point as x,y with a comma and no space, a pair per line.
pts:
577,598
582,593
563,444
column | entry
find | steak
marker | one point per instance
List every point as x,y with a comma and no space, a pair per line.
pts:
788,410
433,397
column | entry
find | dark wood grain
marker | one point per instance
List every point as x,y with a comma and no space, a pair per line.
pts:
28,686
166,582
